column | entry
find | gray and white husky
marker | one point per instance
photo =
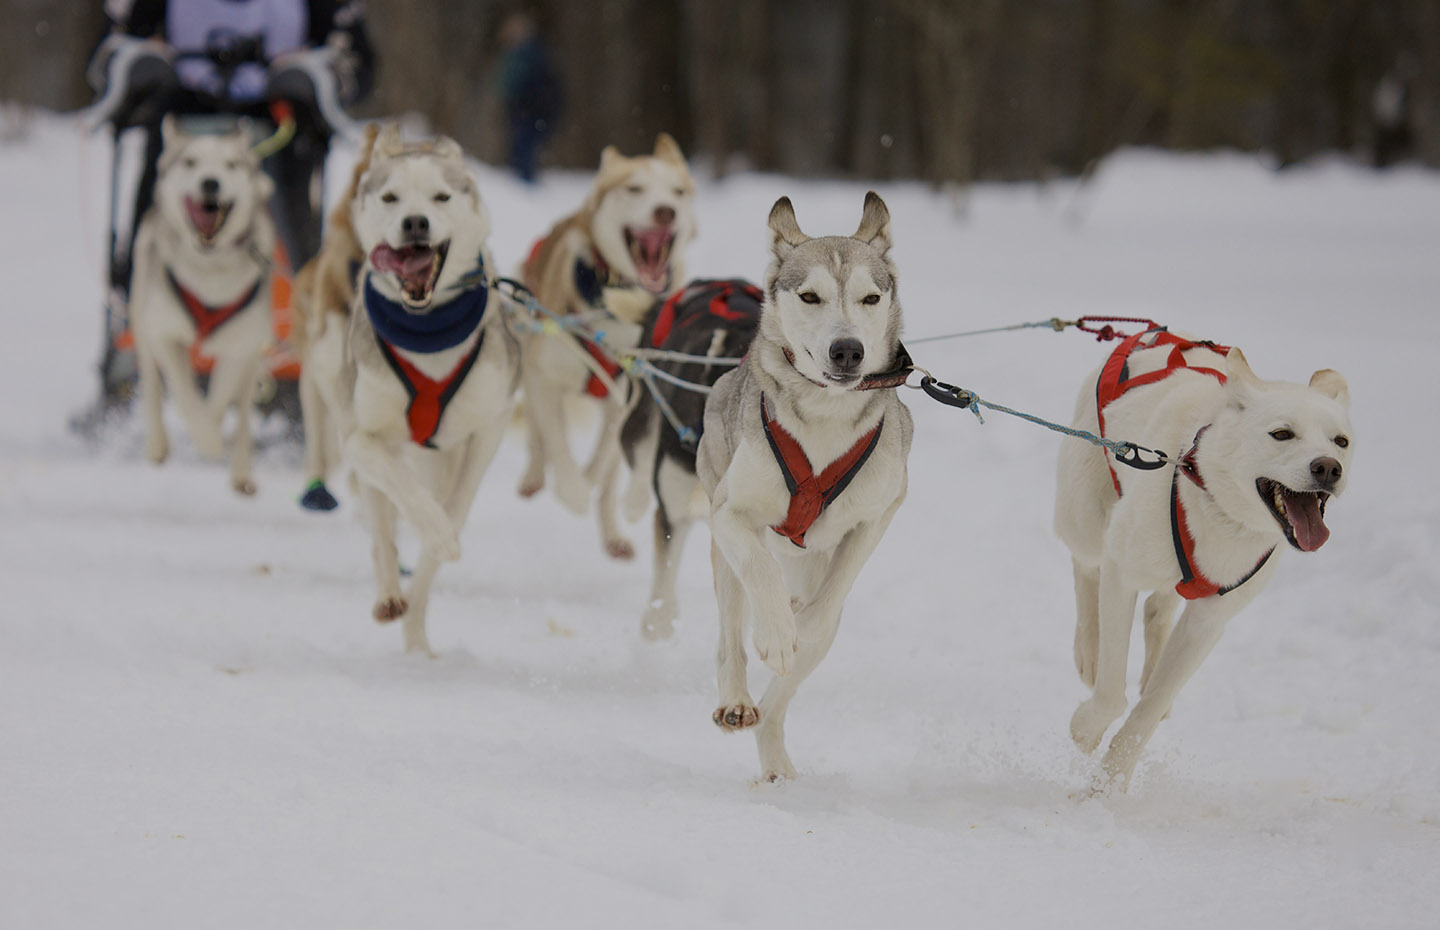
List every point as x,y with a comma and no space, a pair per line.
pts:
804,460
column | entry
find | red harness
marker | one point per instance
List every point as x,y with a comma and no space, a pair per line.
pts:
810,494
1114,382
428,397
719,307
207,319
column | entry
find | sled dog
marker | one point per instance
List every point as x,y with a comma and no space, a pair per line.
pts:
705,319
1258,462
425,381
605,264
201,285
804,460
322,293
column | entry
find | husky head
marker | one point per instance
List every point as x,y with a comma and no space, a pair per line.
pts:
831,301
642,215
416,206
209,185
1280,452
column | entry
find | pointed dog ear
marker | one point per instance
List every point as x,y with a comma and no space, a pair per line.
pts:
446,147
667,149
1240,381
785,233
389,143
874,223
609,157
1331,383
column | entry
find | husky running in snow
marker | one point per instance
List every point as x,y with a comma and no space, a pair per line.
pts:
1263,460
424,379
202,283
804,460
607,263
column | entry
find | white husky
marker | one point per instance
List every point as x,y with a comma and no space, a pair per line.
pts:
202,281
803,457
606,263
422,383
1263,459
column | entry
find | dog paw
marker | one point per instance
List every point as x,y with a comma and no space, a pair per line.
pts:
418,645
318,498
620,548
736,716
776,643
529,487
390,608
244,486
1090,721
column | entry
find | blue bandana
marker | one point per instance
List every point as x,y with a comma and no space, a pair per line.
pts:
442,327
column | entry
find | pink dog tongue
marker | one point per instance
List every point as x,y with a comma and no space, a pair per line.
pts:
1303,511
206,221
409,263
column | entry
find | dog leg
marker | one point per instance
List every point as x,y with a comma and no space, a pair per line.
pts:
1087,621
737,709
174,361
774,633
232,383
377,465
1117,614
642,475
659,619
1159,617
1193,638
824,584
384,556
152,400
607,459
545,416
313,418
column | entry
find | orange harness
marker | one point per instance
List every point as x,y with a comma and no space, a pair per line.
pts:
428,397
810,493
207,319
1114,382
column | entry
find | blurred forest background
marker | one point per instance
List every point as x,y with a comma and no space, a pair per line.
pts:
944,90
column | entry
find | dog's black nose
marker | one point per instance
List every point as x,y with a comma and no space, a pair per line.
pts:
1325,470
847,354
209,187
664,216
415,226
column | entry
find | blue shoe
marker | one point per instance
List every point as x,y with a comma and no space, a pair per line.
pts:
317,497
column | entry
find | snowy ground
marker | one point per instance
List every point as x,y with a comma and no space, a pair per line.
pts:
200,726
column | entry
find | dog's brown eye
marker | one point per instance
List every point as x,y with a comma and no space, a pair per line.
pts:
870,299
441,197
680,192
810,297
1342,441
388,198
1280,435
190,163
231,165
635,188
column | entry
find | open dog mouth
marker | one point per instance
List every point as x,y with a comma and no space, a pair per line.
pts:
207,215
1301,514
650,250
416,266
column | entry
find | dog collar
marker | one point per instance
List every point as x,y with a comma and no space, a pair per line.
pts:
441,327
810,493
209,318
891,378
